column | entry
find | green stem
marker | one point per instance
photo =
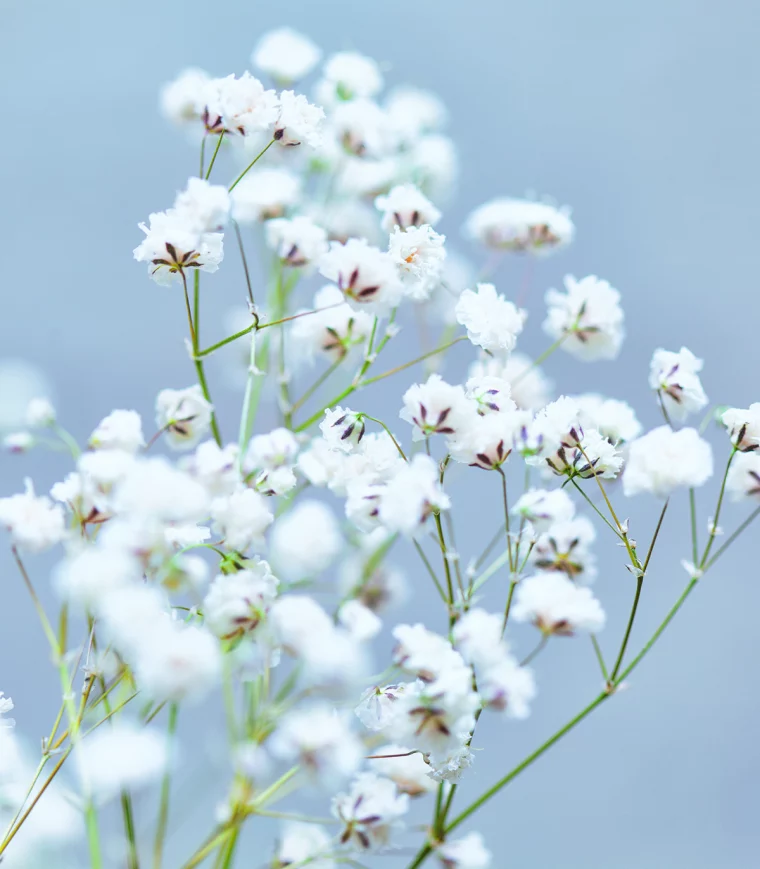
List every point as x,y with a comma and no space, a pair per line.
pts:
693,512
429,567
163,812
243,257
209,350
389,433
596,509
195,334
748,521
629,627
409,364
714,529
324,376
538,649
539,360
250,166
133,859
216,151
600,657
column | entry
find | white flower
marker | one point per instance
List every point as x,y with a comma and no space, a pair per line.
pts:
40,413
414,112
412,495
359,621
35,523
490,394
587,317
543,508
664,460
241,519
743,479
557,606
214,467
342,429
434,407
408,771
178,663
333,331
297,242
507,687
364,130
376,707
321,741
615,420
406,206
469,852
370,811
155,490
419,254
184,99
286,55
304,844
18,442
594,456
487,441
348,74
299,121
6,705
264,194
120,757
743,427
305,541
520,225
90,575
184,414
675,378
202,206
435,716
240,105
491,321
237,603
529,387
423,653
477,636
449,767
172,245
120,430
271,452
565,548
366,276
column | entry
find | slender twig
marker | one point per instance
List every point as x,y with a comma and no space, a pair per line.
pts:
250,166
323,377
243,257
600,658
213,158
721,495
539,648
748,521
409,364
429,567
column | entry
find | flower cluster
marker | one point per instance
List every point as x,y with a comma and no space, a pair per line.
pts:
254,573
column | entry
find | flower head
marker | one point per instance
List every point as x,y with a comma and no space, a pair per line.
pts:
491,321
675,378
286,55
664,460
520,225
587,318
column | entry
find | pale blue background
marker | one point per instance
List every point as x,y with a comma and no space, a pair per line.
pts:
643,117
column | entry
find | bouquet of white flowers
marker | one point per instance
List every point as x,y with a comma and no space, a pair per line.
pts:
220,573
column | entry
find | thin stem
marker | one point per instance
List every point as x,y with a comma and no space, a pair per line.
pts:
714,528
693,513
209,350
250,166
600,658
654,537
596,509
323,377
190,325
539,648
406,365
282,320
133,860
629,627
389,433
200,372
243,257
201,171
163,812
216,151
748,521
430,570
447,568
539,360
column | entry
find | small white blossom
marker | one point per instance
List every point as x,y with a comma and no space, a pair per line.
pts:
359,621
184,99
422,653
491,321
18,442
214,467
557,606
615,420
675,378
543,508
120,757
520,225
407,770
185,416
264,194
529,387
120,430
298,241
305,541
321,741
241,519
342,429
304,844
376,708
286,55
411,496
298,122
664,460
469,852
240,105
202,206
743,479
156,490
237,603
40,413
487,441
348,74
565,547
370,811
490,394
89,576
434,407
587,317
414,112
333,331
419,255
366,276
743,427
34,522
406,206
363,129
173,245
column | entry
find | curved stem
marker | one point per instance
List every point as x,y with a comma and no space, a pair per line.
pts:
250,166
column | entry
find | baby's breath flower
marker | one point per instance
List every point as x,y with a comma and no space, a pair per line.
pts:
366,276
675,378
663,460
587,317
298,122
286,55
406,206
185,416
557,606
264,194
520,225
743,427
491,321
34,522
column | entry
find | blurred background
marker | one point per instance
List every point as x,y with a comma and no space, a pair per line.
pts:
642,117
